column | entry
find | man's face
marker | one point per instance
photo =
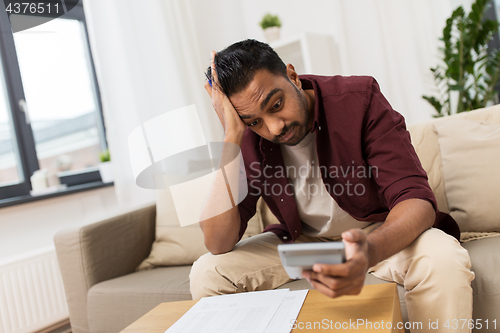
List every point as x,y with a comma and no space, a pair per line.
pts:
274,108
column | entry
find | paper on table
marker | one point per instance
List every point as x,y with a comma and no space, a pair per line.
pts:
287,313
246,312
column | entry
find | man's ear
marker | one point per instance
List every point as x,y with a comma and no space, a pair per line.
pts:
293,76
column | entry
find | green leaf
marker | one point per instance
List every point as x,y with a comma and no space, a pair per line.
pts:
269,21
466,65
104,156
434,102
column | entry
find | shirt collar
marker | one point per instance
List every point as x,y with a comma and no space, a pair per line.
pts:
309,83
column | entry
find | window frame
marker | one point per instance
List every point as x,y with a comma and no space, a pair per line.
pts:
85,180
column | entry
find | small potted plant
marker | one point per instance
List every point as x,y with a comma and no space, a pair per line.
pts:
271,25
106,168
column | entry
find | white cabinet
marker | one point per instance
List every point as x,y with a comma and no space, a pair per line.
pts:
309,53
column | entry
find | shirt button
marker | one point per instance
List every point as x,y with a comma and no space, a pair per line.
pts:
271,149
284,237
319,127
281,199
295,231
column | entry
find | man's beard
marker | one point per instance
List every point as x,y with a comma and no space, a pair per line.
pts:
300,128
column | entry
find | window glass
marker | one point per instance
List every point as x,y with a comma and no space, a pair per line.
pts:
10,165
60,95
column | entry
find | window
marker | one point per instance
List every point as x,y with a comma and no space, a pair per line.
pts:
50,108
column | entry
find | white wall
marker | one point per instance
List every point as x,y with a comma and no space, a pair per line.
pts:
219,23
395,41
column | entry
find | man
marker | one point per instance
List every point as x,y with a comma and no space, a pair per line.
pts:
370,189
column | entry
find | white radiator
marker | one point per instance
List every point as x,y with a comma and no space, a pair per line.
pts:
31,293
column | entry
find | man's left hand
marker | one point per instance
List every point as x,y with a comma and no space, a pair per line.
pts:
346,278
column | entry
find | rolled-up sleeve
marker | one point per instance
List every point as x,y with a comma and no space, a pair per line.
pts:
388,150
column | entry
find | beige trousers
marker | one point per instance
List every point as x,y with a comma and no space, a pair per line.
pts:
434,270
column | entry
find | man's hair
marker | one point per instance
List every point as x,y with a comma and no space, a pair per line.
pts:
236,65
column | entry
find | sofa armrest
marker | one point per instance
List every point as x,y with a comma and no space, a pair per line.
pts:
101,251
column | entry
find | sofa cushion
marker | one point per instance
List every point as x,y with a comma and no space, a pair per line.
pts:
470,156
176,245
425,141
136,294
485,258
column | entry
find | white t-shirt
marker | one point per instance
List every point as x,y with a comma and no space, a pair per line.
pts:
320,213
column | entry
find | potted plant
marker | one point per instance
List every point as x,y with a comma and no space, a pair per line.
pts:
468,70
105,167
271,25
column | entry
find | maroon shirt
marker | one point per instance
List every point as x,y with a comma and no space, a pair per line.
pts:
366,158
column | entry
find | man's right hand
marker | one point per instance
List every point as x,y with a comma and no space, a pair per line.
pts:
233,126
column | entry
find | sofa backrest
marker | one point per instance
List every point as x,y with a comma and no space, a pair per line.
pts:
424,138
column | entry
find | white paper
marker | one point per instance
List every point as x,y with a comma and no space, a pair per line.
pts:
252,312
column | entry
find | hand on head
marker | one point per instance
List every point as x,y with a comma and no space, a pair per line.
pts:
233,126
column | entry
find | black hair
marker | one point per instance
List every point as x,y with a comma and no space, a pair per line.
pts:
237,64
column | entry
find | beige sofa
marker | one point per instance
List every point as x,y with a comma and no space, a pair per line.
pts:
105,293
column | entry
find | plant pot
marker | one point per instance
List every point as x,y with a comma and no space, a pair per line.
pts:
272,34
106,171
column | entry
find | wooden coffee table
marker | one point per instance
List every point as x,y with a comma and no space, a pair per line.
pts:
375,309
